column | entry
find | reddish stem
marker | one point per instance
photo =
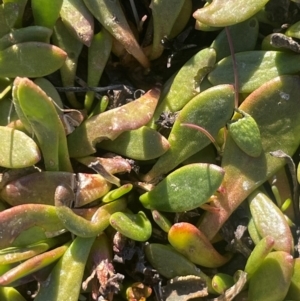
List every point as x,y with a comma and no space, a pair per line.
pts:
235,71
205,132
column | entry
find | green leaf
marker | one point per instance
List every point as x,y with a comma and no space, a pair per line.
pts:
110,124
134,226
164,15
45,12
294,30
258,254
270,221
14,12
101,45
220,13
244,37
18,254
161,220
17,150
26,34
141,144
78,225
273,108
10,293
182,19
21,60
78,19
72,46
185,85
112,18
38,222
32,265
254,68
184,189
64,281
294,289
115,194
272,279
204,27
246,135
39,114
189,241
51,91
221,282
170,264
211,110
5,27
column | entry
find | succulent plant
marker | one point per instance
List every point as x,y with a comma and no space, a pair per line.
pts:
149,150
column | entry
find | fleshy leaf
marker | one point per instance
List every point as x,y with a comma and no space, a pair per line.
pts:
220,13
38,223
141,144
273,108
21,59
270,221
110,124
294,289
254,68
115,194
17,150
111,16
134,226
39,114
39,188
161,220
51,91
100,48
294,30
185,85
234,290
72,46
182,19
221,282
243,35
36,188
31,265
170,264
18,254
164,16
64,282
10,293
112,165
246,135
46,12
272,279
79,226
14,12
26,34
211,110
189,241
90,188
78,20
255,236
4,26
258,254
184,189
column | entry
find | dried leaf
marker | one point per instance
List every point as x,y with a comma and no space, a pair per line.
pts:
184,288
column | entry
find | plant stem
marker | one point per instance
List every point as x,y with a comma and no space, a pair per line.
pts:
235,71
